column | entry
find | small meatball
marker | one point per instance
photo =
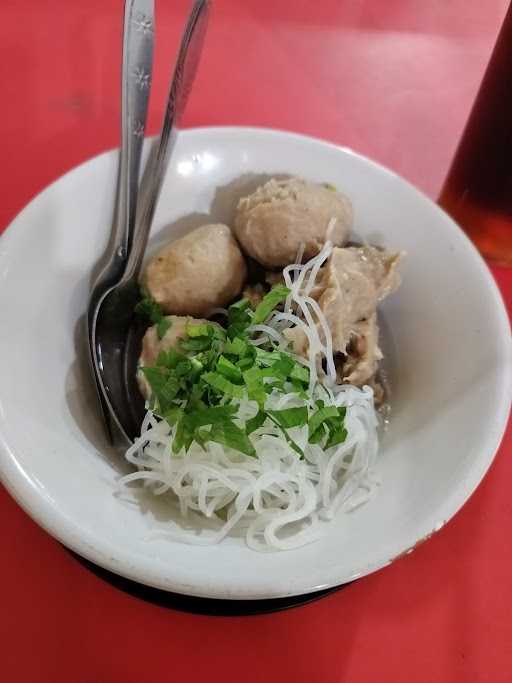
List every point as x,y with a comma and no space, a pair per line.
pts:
152,345
272,223
198,272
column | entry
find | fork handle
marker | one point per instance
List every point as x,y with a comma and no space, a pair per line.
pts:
154,173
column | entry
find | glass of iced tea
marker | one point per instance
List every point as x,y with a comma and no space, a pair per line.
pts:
478,190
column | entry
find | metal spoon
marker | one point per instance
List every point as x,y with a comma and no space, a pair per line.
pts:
138,40
115,332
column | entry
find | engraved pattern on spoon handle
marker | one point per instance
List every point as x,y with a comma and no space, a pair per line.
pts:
136,84
183,78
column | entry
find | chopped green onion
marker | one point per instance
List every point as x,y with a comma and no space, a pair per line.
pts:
228,369
161,359
283,366
289,440
184,435
156,377
173,415
298,388
183,368
168,392
336,437
245,363
253,379
199,330
218,333
300,373
267,357
228,434
255,422
148,307
236,347
276,295
239,319
162,327
201,436
196,364
195,344
241,305
212,415
321,416
217,381
164,387
169,359
192,385
290,417
318,435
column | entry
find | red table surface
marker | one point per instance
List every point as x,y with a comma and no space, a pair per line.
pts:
393,79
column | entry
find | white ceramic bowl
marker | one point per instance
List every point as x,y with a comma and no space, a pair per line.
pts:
446,332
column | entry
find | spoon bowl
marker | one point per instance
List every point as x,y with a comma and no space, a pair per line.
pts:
117,347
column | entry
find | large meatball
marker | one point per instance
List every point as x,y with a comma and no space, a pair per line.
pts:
198,272
273,222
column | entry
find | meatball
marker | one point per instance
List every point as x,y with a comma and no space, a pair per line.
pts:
348,289
198,272
152,345
280,216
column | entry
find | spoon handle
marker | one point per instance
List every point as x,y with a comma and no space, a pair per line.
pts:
183,78
138,41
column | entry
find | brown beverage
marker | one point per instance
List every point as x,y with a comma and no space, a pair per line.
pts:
478,190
